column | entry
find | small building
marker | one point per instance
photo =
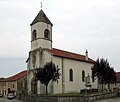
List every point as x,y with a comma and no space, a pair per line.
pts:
1,84
116,85
16,83
73,67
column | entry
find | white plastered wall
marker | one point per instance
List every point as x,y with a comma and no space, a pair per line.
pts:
41,41
76,85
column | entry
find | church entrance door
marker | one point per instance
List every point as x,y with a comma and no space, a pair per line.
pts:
34,86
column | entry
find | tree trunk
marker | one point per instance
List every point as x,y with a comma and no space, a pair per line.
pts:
109,87
102,85
98,85
46,89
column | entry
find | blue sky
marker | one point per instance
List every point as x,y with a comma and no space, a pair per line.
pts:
77,25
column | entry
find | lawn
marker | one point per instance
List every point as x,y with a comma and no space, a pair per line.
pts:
69,94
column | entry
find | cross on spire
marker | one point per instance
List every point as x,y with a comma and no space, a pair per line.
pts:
41,5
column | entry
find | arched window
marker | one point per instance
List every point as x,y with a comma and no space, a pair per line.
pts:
71,75
83,75
46,34
34,35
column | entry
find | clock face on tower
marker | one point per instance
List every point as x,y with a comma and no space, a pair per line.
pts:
46,34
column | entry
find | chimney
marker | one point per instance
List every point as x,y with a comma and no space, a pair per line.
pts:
86,55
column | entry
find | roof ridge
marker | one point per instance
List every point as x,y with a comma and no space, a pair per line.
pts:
18,73
16,76
117,72
69,52
70,55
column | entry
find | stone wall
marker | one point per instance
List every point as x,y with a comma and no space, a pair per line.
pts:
90,98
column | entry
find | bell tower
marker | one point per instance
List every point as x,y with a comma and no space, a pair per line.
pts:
41,38
41,32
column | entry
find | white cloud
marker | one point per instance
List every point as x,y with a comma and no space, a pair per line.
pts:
77,25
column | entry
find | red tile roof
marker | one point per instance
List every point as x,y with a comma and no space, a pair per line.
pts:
17,76
1,78
69,55
118,76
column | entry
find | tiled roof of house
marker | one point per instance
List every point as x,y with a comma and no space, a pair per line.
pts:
69,55
118,76
1,78
16,76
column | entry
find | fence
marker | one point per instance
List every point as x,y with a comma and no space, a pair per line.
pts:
90,98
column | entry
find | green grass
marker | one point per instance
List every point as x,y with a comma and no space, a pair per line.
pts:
72,94
69,94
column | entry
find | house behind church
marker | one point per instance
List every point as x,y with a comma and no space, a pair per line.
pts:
16,84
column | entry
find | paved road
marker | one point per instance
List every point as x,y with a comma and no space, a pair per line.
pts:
110,100
6,100
106,100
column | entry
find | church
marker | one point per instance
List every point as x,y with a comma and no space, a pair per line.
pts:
74,68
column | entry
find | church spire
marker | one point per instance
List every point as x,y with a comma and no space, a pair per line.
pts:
41,17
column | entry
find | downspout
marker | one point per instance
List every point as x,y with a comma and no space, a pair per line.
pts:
63,76
52,89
